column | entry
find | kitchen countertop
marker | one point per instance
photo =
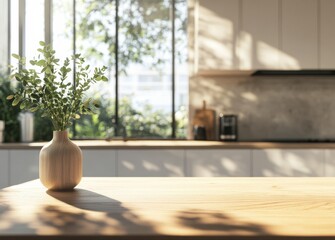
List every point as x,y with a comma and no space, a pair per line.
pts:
174,144
172,208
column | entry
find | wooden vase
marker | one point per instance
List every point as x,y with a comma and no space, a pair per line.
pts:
60,163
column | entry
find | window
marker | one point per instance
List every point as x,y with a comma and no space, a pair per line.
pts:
4,34
142,42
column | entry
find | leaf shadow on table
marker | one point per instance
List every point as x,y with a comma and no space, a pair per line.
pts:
114,216
6,221
128,221
218,223
95,213
3,209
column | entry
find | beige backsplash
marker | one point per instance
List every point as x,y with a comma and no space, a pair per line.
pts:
270,107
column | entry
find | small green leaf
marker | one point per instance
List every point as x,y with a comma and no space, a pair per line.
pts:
96,103
77,116
42,43
48,70
16,56
22,105
40,63
34,109
10,97
16,101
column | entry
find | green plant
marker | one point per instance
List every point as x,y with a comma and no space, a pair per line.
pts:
7,112
48,89
42,127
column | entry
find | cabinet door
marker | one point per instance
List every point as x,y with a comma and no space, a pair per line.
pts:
327,34
299,34
288,163
259,37
216,28
218,163
23,165
99,163
150,163
329,163
4,168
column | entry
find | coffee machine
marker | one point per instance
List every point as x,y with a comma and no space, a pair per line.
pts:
227,127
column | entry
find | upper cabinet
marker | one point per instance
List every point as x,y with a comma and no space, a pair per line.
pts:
216,32
258,41
327,34
230,36
299,34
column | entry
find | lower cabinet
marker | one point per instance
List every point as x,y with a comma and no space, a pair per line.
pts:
150,163
218,163
23,166
288,163
18,166
329,163
99,163
4,168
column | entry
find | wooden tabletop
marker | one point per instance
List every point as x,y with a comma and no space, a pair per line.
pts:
172,208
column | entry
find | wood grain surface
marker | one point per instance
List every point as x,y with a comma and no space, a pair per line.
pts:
172,208
60,163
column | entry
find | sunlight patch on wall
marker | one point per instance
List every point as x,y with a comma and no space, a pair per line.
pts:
217,45
267,56
244,51
249,96
288,62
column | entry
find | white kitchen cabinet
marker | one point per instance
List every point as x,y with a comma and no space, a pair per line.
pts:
23,165
4,168
216,26
258,44
288,163
99,163
218,163
329,167
327,34
150,163
227,36
299,37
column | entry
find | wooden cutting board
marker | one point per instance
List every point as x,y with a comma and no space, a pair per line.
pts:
205,117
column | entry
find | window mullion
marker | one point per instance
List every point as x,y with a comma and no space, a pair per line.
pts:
8,32
22,29
74,62
116,51
48,21
173,122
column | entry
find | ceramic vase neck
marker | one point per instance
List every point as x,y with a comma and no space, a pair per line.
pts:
60,136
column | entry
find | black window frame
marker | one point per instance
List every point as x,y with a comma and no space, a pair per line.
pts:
115,118
48,39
